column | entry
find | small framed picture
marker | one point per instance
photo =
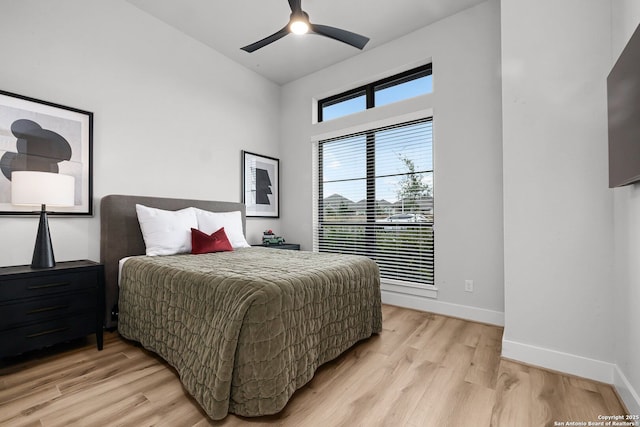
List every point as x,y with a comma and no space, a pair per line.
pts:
41,136
260,185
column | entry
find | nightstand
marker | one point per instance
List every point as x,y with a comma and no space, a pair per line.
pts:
42,307
289,246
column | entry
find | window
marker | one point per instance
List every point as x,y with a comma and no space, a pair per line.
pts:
402,88
375,198
348,103
417,81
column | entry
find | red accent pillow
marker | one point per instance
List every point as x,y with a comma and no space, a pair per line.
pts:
202,243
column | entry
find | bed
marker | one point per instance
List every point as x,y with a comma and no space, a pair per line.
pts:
243,329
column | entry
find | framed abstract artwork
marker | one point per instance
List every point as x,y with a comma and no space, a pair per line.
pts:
260,185
41,136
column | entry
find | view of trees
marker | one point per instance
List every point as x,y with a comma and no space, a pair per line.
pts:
412,192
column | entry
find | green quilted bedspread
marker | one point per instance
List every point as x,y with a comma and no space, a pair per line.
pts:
246,329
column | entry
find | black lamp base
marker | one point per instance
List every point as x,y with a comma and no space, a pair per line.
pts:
43,251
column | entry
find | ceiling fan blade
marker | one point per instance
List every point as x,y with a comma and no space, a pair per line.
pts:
344,36
295,6
267,40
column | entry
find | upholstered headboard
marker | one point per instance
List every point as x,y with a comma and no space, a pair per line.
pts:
120,234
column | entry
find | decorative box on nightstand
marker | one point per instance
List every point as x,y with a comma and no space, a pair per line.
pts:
42,307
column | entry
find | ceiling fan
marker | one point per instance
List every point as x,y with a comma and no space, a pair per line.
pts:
299,24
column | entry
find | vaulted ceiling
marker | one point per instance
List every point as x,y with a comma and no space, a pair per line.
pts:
226,26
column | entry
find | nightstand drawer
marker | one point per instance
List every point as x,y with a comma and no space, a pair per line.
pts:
42,307
38,285
18,340
39,309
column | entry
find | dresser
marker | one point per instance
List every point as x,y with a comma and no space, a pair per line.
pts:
42,307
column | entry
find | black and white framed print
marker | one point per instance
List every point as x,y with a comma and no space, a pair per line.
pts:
41,136
260,185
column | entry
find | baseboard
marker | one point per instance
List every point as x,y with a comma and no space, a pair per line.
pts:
558,361
626,392
448,309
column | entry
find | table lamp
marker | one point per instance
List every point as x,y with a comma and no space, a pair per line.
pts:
42,188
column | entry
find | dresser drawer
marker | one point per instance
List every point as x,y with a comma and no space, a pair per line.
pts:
19,340
39,309
38,285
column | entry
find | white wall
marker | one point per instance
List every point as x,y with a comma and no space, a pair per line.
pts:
558,217
626,302
465,50
171,115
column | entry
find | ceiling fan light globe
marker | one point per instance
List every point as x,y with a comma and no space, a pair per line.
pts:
299,27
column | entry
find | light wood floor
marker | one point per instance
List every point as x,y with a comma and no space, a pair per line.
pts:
423,370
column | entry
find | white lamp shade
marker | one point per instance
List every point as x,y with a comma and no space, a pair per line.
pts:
42,188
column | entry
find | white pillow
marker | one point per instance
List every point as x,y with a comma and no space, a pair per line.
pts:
210,222
166,232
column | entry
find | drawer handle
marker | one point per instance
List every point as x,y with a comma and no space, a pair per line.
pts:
49,285
50,331
52,308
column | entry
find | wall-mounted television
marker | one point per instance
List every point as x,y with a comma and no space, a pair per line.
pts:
623,98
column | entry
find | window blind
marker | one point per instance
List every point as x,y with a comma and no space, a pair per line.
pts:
375,198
